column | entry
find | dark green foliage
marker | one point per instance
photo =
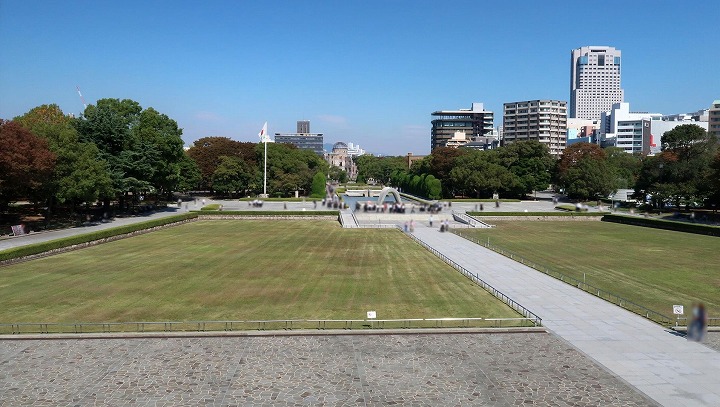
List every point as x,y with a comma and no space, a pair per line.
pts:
544,214
683,173
289,168
318,185
378,168
531,162
143,148
584,173
664,224
232,175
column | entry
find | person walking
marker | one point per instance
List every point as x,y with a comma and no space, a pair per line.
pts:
431,220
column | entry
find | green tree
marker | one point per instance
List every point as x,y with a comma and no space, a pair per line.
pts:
206,153
625,167
682,172
79,176
442,163
379,168
143,148
583,172
532,164
190,176
588,179
161,133
289,168
478,174
318,185
433,187
338,174
232,175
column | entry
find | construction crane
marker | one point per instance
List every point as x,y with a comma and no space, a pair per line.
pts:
82,99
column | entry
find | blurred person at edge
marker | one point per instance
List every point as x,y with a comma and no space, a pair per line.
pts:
698,325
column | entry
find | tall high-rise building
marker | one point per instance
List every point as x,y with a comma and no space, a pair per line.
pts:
541,120
473,123
594,81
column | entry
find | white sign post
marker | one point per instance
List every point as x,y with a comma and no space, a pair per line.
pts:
678,310
371,315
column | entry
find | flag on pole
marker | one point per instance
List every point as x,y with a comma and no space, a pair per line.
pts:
264,138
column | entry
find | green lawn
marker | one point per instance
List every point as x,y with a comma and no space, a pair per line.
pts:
243,270
654,268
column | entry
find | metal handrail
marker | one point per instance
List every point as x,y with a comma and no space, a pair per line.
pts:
260,325
598,292
710,321
474,277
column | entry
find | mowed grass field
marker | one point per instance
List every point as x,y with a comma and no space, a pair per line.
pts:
243,270
654,268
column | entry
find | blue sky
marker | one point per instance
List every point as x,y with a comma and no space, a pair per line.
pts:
367,72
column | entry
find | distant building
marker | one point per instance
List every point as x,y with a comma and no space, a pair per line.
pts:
304,140
354,150
343,156
303,126
714,119
474,122
411,159
541,120
580,129
659,127
594,81
640,132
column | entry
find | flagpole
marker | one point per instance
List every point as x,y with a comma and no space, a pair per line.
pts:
264,139
265,172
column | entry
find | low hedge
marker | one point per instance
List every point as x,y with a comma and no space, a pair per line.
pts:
664,224
43,247
271,213
481,214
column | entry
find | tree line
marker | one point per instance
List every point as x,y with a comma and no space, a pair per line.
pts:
687,171
118,153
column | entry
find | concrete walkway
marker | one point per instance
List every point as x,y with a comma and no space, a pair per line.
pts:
667,368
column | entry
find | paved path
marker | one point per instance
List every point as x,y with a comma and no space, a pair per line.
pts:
506,370
666,367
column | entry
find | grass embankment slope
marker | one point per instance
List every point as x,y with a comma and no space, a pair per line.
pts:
243,270
654,268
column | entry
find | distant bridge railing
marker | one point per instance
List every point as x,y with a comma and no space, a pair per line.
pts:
261,325
598,292
469,220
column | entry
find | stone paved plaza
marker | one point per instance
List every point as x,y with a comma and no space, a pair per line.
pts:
498,369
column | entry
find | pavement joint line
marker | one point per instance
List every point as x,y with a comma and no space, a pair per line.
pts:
274,333
357,357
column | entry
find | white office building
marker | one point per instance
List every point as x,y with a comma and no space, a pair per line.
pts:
541,120
640,132
594,81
